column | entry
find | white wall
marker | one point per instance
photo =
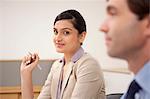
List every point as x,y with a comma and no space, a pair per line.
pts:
117,82
26,25
1,22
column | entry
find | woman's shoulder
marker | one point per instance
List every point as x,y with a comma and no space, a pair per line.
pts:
57,63
88,60
88,63
88,57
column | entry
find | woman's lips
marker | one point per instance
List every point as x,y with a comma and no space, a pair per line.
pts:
59,45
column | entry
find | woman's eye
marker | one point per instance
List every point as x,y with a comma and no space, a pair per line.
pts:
66,32
55,32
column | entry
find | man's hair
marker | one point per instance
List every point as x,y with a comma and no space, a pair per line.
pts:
139,7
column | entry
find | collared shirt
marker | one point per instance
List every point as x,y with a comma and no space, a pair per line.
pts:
76,56
74,59
143,79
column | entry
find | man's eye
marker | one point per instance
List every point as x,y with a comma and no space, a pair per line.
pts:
112,12
66,32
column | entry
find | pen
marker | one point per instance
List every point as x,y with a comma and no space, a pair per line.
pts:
32,59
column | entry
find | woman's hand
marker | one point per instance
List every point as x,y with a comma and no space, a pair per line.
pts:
29,62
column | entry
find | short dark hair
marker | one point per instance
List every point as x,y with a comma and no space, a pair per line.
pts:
75,17
140,7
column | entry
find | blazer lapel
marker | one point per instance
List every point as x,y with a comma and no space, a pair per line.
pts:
57,74
68,73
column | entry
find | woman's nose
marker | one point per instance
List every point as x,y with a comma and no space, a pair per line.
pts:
58,37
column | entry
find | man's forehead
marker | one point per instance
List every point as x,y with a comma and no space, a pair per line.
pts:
117,3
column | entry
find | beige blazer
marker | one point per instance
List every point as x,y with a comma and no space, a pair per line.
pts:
83,80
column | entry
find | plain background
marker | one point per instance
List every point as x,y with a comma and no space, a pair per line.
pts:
27,25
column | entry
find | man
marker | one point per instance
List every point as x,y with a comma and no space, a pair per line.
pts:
127,35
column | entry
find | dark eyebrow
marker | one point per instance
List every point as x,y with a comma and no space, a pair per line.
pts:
67,29
64,29
54,29
110,7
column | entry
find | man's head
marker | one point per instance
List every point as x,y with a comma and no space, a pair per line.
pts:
127,27
139,7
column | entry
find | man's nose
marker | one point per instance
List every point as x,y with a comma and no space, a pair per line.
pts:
104,27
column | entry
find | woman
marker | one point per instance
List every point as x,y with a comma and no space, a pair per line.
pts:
77,75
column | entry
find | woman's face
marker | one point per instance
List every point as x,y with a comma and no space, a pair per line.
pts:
66,38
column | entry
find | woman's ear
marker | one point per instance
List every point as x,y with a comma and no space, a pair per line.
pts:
82,37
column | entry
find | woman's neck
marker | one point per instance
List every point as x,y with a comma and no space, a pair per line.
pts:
68,56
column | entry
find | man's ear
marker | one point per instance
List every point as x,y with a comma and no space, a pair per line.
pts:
147,29
82,37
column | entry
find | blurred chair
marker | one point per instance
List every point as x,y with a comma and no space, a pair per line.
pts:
114,96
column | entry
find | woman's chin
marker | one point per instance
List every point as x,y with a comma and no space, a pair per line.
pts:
59,51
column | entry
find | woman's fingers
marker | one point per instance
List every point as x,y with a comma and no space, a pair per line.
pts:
24,60
35,58
30,61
